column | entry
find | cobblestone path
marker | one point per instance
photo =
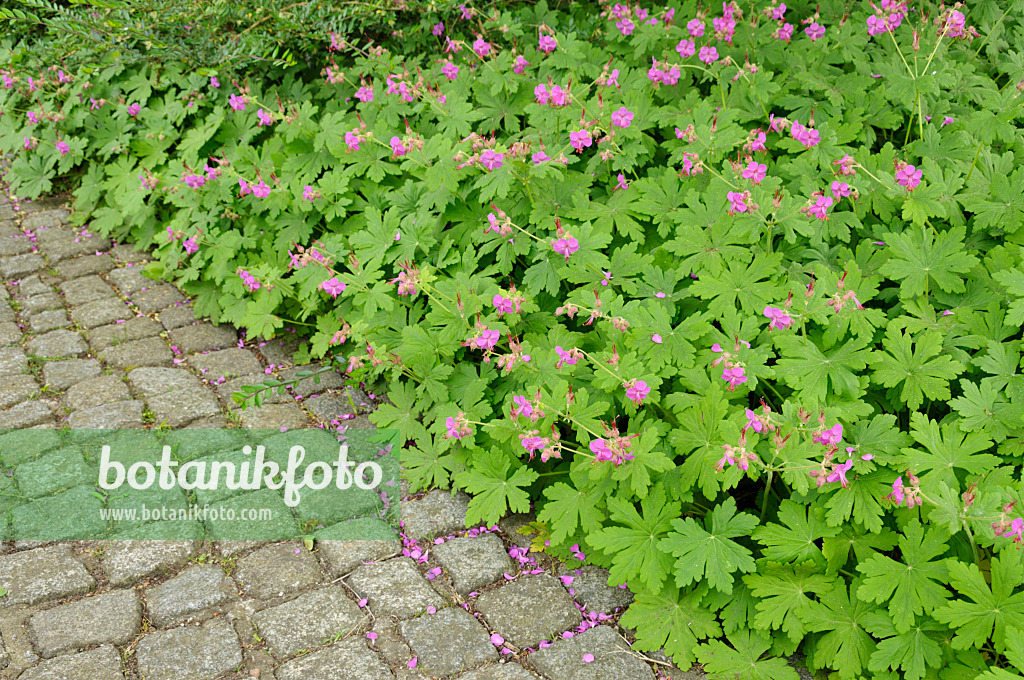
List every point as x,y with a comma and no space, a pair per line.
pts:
87,341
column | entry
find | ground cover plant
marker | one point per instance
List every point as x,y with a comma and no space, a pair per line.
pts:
731,293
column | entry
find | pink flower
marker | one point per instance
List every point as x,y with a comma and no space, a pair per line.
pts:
814,31
249,280
637,391
237,102
839,473
841,189
831,436
588,658
686,48
438,28
63,148
820,207
397,147
450,71
780,320
948,120
621,185
30,143
264,118
755,172
333,286
876,25
482,47
539,158
753,422
260,190
622,118
308,193
457,428
897,491
567,245
503,305
522,407
695,27
784,32
580,139
541,93
708,55
1016,530
365,94
625,26
133,110
558,96
352,140
547,44
520,64
214,83
737,201
487,339
190,245
566,357
492,160
194,181
908,177
778,12
734,376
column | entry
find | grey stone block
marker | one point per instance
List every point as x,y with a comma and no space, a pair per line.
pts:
48,321
279,351
86,289
145,352
590,588
449,641
229,363
277,571
53,472
130,280
190,652
119,415
177,316
60,375
193,590
118,333
16,389
70,515
345,660
126,254
174,395
157,297
203,337
474,562
111,618
612,661
101,313
128,562
13,362
104,389
41,575
274,417
509,671
85,265
394,588
529,609
10,334
27,414
308,621
19,265
102,663
436,514
39,303
57,344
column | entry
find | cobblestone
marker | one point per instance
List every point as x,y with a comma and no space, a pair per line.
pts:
190,652
449,641
41,575
57,344
104,389
346,660
145,352
137,328
278,570
60,375
193,590
112,618
101,313
308,621
86,289
394,588
102,663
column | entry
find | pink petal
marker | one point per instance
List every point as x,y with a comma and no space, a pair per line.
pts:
656,339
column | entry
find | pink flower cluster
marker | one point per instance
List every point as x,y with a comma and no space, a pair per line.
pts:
555,97
614,449
733,373
807,136
249,280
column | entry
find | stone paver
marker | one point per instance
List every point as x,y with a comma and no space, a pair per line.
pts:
189,652
136,328
157,297
41,575
394,588
102,663
40,303
342,557
230,363
203,337
177,316
16,389
10,334
278,570
101,313
589,586
104,389
86,289
28,414
345,660
175,396
19,265
449,641
308,621
509,671
436,514
57,344
193,590
53,472
274,417
12,362
145,352
473,562
60,375
122,414
83,266
130,279
529,609
49,320
112,618
128,562
563,660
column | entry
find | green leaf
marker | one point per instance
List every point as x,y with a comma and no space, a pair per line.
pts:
784,593
494,491
918,363
670,621
709,551
914,585
947,449
568,508
914,650
846,647
633,547
743,659
920,256
794,540
804,366
990,610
